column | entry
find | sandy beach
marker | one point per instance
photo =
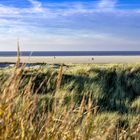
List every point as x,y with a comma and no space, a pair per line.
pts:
75,59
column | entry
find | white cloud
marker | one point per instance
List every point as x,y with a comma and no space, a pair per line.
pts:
63,9
35,3
37,6
8,10
107,4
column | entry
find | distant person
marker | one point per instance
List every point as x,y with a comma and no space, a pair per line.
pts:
92,59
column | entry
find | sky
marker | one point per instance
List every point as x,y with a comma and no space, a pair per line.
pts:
70,25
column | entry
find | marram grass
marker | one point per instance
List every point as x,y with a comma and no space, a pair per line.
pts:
77,102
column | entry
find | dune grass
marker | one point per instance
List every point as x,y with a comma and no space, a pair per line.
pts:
75,102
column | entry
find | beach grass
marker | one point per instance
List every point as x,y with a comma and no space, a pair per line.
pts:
71,102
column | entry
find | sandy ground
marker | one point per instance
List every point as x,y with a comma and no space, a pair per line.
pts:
75,59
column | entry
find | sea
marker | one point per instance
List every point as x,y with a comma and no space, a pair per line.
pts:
66,53
70,53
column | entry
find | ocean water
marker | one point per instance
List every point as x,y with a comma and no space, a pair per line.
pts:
72,53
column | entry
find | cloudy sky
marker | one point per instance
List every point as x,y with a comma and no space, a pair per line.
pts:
70,25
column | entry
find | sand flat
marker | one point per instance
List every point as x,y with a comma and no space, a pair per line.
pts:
75,59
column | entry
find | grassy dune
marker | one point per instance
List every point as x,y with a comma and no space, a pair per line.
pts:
73,102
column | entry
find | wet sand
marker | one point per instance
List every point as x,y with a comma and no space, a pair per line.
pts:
75,59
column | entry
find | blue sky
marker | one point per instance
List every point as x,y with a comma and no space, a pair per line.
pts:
62,25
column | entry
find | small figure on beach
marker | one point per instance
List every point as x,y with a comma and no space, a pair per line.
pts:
92,59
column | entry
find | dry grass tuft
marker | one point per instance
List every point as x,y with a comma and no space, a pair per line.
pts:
59,79
18,55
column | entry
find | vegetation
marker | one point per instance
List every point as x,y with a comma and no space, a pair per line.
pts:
73,102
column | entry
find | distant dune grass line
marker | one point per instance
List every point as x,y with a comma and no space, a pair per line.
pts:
73,102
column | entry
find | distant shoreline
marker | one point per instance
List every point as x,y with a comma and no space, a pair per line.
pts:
74,59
